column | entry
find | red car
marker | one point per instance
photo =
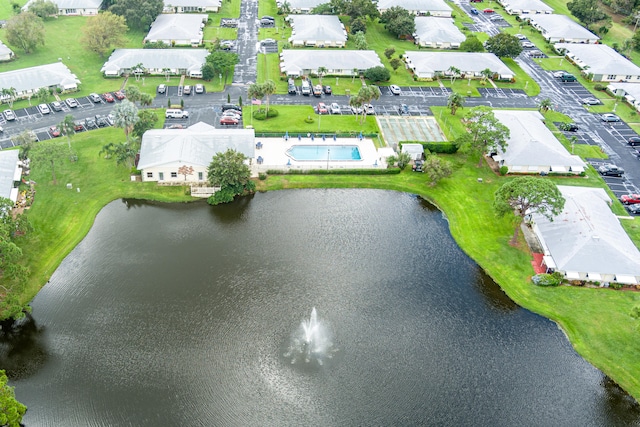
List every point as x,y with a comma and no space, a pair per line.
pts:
487,10
78,127
54,131
119,95
228,120
108,97
322,108
630,199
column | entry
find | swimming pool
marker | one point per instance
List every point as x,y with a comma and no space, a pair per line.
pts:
324,152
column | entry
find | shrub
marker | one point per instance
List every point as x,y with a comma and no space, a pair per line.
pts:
545,279
504,170
599,86
262,176
261,114
435,147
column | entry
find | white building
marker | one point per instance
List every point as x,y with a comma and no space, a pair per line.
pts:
532,148
191,6
561,29
154,61
586,241
629,91
299,62
437,33
6,54
301,6
525,7
27,81
419,7
178,29
600,63
10,174
317,31
74,7
429,65
164,151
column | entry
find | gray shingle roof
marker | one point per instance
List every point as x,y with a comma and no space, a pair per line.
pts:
536,5
297,60
434,62
587,236
177,26
73,4
189,59
600,58
33,78
8,165
305,4
192,3
561,27
438,30
415,5
195,145
318,28
531,143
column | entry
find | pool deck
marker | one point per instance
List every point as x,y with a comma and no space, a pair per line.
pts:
274,155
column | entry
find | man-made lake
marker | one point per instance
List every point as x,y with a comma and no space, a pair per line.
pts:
183,315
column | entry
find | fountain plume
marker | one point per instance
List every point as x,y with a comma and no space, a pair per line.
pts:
311,342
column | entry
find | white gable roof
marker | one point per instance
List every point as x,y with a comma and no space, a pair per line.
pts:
192,3
177,26
72,4
298,60
561,27
189,59
436,62
8,166
587,237
600,59
438,30
195,145
33,78
531,143
4,50
530,5
318,28
415,5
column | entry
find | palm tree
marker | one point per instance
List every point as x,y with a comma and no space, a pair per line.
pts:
356,102
455,72
454,102
366,94
256,91
11,93
125,116
67,128
138,70
268,88
486,74
321,72
545,105
355,73
43,94
167,73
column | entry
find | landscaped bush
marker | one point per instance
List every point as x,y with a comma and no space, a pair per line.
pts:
435,147
261,114
504,170
545,279
390,171
262,176
599,86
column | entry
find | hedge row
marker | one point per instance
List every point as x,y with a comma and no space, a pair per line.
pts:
390,171
435,147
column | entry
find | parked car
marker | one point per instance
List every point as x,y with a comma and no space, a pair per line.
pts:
633,209
54,131
292,87
232,113
199,88
186,90
417,166
227,121
369,109
95,97
535,53
630,199
633,141
591,101
102,121
89,123
395,89
317,91
521,36
322,108
527,45
162,88
610,170
44,109
71,102
568,127
356,110
268,42
488,10
403,109
475,11
475,1
108,97
496,18
78,126
56,106
226,107
119,95
558,74
226,45
335,108
327,90
609,117
9,115
568,78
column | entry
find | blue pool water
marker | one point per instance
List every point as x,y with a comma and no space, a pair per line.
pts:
324,152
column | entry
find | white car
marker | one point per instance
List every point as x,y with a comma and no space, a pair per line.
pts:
199,88
9,115
44,108
521,36
369,109
335,108
395,89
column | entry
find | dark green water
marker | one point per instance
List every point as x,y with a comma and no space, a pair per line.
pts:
180,315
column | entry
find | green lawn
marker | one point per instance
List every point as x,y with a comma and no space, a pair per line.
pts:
6,9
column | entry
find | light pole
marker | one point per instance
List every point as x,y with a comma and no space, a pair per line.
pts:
328,155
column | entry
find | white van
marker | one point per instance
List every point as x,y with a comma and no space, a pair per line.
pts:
173,113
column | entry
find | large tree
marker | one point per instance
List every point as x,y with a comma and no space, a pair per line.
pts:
26,31
104,31
367,94
48,153
355,8
587,11
125,116
526,195
229,171
221,62
454,102
377,74
147,119
43,8
471,44
11,411
13,273
504,45
360,41
484,132
398,21
436,168
138,13
268,88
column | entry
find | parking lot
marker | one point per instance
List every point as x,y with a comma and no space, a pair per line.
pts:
502,93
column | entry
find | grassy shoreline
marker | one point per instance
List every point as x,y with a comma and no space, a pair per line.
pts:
595,320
